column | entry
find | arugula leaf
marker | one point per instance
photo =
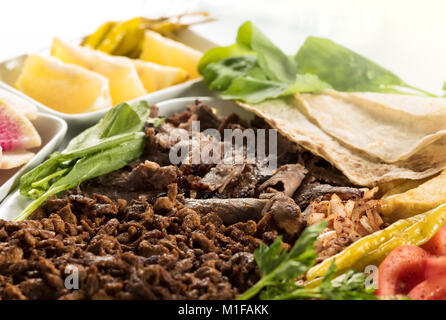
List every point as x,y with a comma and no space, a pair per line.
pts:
109,145
279,270
346,70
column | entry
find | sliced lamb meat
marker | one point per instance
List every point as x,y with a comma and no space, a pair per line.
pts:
329,175
286,179
220,175
153,151
234,180
207,117
285,213
147,181
313,191
230,211
150,175
154,110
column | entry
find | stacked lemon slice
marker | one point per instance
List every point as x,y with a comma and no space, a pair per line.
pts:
76,79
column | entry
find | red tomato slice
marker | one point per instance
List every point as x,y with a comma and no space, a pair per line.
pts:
430,289
401,270
434,267
437,245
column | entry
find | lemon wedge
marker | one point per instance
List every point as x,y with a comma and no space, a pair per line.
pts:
63,87
168,52
123,79
156,77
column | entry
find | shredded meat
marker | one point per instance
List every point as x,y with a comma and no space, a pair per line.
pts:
230,210
286,179
348,221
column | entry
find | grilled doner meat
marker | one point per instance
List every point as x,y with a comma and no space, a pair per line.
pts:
161,230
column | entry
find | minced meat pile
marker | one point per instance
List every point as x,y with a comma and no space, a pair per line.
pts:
155,230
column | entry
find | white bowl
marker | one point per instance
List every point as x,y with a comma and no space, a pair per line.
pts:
52,131
15,203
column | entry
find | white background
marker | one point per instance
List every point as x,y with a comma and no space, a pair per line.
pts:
408,37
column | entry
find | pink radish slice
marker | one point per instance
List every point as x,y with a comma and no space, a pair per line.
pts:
25,107
16,131
15,158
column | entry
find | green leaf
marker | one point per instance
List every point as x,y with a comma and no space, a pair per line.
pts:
277,267
109,145
123,118
90,167
346,70
276,65
220,53
156,122
50,167
306,83
291,269
254,90
254,69
304,247
219,75
268,258
279,270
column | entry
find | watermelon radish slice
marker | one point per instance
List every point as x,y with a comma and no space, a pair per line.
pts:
16,131
15,158
28,109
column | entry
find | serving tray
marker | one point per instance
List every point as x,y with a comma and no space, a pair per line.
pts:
15,203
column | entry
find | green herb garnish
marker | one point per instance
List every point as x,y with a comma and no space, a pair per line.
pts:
279,270
113,142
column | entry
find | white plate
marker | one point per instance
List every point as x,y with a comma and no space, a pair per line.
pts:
52,131
15,203
11,68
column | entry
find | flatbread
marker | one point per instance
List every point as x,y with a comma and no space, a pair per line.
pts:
286,115
391,127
